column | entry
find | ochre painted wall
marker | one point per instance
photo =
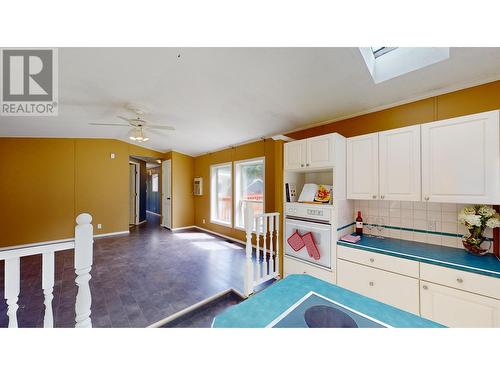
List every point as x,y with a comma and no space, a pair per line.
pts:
458,103
45,183
267,148
182,190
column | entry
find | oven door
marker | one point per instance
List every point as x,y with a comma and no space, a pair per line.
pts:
322,237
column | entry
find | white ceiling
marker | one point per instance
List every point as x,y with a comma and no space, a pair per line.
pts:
217,97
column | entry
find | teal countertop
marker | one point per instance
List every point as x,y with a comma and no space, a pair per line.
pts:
444,256
261,309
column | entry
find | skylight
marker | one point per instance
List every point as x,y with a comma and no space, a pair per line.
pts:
379,51
384,66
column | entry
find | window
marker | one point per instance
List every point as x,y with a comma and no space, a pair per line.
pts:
221,194
154,182
249,188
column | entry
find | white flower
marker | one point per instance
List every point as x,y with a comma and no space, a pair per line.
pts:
486,211
474,220
468,211
493,222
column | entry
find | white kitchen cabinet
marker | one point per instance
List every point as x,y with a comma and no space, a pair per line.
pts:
295,154
399,164
461,159
311,153
457,308
393,289
362,167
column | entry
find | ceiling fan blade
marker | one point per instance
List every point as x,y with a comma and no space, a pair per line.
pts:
124,118
156,132
160,127
107,124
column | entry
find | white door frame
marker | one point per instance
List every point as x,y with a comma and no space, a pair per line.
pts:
137,189
164,199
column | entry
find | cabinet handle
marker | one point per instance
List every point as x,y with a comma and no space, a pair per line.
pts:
426,198
460,280
372,260
382,197
425,287
302,165
374,196
371,283
307,165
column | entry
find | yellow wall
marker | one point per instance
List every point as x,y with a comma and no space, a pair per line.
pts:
182,190
268,149
463,102
45,183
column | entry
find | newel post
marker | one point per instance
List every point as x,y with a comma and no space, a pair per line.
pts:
249,263
83,264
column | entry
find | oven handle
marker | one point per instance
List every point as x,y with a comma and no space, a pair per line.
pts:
291,219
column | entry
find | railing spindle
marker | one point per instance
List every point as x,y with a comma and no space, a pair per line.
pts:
271,245
83,265
48,287
12,285
265,264
249,274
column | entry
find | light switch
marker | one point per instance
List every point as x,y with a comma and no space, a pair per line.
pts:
112,155
99,226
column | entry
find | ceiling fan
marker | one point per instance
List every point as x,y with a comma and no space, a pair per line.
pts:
138,125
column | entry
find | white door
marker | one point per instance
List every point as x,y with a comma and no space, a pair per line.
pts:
295,155
320,151
132,194
456,308
362,167
399,164
461,159
166,194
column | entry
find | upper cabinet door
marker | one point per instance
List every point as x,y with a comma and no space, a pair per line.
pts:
362,167
461,159
295,155
399,163
320,151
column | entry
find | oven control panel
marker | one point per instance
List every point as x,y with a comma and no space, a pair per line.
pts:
308,211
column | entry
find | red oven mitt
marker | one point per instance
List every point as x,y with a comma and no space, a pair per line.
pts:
295,241
311,247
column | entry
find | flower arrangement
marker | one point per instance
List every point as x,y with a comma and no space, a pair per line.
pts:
476,219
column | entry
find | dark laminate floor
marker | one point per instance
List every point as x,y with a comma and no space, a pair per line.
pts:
137,279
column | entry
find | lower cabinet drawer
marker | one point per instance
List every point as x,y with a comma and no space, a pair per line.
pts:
385,262
396,290
456,308
468,281
292,266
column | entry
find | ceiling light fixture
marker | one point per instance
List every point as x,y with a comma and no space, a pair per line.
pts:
138,135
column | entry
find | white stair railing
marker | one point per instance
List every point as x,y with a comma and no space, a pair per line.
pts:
82,244
266,264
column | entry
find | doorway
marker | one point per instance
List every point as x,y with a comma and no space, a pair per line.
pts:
134,170
166,194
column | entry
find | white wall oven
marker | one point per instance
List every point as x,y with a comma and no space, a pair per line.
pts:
308,235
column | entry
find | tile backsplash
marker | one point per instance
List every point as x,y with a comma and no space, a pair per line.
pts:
429,222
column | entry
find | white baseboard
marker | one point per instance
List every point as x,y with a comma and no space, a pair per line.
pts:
141,222
153,213
111,234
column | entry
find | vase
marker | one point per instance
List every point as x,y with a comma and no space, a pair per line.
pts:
475,249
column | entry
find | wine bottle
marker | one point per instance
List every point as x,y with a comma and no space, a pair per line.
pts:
359,224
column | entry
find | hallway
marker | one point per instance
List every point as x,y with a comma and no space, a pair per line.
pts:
137,279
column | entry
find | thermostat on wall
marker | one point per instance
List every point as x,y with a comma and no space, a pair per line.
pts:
198,186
